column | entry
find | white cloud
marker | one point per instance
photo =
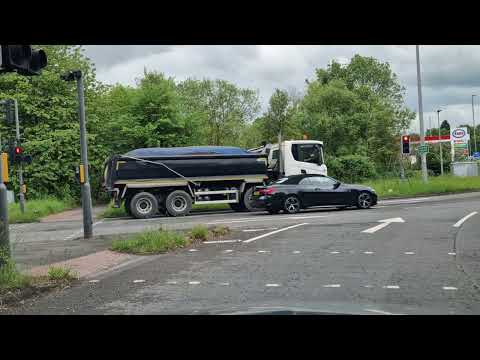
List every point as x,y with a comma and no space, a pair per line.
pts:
449,73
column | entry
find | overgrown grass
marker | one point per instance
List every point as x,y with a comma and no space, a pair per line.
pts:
415,186
150,242
111,212
10,277
199,232
59,273
36,209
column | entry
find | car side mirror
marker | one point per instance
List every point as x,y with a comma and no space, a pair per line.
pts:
337,184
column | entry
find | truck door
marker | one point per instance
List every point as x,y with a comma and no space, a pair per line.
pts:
308,159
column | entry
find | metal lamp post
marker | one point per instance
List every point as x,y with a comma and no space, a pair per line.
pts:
420,115
440,142
86,194
473,118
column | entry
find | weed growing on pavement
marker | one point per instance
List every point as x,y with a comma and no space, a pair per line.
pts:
150,242
59,273
10,277
219,231
199,232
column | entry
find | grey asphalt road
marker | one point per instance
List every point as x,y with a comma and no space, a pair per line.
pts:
321,260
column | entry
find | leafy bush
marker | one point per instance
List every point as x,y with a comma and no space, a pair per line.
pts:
351,168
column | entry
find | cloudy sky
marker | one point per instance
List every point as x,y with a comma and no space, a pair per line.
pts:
450,74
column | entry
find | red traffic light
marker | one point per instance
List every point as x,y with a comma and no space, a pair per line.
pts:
406,138
18,150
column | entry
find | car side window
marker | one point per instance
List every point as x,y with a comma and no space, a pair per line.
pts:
322,181
305,181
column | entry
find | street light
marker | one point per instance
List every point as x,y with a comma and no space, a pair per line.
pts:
86,195
473,118
440,143
420,115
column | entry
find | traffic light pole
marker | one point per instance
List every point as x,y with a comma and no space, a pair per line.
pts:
20,169
4,229
86,195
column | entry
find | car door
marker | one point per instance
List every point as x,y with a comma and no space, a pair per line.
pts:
306,192
324,191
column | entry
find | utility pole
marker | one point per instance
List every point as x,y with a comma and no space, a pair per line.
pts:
420,115
439,142
84,178
20,170
473,118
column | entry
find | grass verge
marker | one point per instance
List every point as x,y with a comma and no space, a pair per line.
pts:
415,186
199,233
36,209
150,242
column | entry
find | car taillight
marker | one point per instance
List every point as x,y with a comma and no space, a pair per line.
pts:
268,191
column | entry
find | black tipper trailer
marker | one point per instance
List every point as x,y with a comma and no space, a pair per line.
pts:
170,180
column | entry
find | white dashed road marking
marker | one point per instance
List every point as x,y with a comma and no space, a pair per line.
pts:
449,288
263,251
94,281
452,253
391,287
272,285
138,281
171,282
462,220
273,232
253,230
296,252
368,252
194,282
225,284
228,251
334,252
192,250
221,241
332,286
409,253
380,312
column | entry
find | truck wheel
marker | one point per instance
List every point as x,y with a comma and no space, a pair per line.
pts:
248,201
178,203
144,205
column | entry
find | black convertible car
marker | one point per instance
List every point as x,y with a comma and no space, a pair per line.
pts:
293,193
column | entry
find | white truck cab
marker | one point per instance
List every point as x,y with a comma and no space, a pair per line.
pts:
296,157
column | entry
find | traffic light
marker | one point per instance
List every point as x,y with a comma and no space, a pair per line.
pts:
405,144
8,108
22,59
16,156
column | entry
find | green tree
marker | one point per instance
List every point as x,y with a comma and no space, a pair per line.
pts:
357,108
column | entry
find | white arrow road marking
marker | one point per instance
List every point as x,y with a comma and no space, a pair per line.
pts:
383,223
462,220
273,232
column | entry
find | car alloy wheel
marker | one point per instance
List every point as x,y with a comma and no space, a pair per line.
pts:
292,205
364,200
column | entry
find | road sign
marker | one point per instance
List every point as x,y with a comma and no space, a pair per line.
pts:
460,145
476,155
423,149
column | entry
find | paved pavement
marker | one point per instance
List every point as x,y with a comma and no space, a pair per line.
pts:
422,259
